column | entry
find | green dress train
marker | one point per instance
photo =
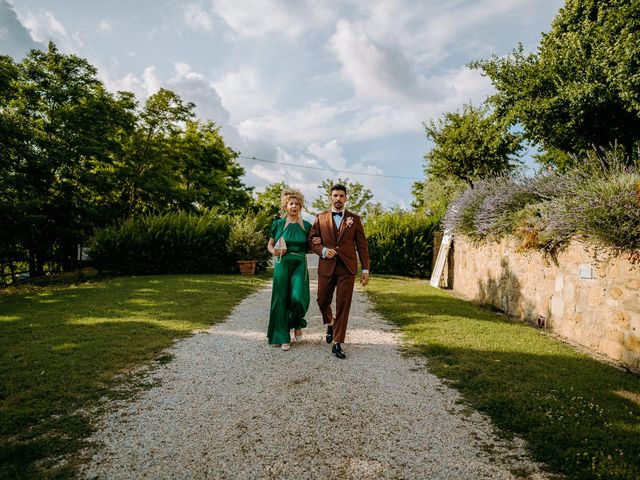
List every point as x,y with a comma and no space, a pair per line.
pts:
290,293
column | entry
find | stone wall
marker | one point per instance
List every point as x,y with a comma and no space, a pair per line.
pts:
593,301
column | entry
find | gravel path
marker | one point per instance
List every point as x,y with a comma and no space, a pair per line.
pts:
230,406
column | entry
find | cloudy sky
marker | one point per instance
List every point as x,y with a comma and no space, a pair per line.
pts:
340,85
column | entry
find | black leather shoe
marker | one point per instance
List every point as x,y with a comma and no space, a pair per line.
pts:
337,351
329,337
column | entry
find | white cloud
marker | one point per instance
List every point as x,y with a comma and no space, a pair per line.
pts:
194,87
190,85
316,120
250,19
197,18
330,152
434,30
329,156
104,26
151,81
375,71
380,121
44,26
244,94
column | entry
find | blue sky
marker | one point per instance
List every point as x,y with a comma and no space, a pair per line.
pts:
342,85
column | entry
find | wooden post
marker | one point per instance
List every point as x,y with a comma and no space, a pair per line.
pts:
443,253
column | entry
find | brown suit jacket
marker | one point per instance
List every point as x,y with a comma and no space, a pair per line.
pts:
346,241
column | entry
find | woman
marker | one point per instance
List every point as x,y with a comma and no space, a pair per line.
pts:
290,294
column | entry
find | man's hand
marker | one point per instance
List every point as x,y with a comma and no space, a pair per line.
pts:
331,253
364,279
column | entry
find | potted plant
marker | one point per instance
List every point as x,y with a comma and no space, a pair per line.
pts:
246,242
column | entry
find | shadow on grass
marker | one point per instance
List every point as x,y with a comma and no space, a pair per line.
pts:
572,411
579,416
61,349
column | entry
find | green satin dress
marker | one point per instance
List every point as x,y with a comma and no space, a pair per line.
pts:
290,293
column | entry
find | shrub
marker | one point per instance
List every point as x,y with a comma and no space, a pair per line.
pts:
606,210
246,241
598,201
433,196
462,212
170,243
506,196
543,226
401,242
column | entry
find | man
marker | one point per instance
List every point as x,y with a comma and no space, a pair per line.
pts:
336,236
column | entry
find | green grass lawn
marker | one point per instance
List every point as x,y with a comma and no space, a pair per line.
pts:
580,417
64,347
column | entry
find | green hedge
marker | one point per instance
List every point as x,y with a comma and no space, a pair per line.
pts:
170,243
401,242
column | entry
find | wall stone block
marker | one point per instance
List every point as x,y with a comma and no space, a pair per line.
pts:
601,313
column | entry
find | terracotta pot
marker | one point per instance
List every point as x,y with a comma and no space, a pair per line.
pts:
247,267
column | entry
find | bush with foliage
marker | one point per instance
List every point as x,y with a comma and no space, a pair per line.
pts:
170,243
598,201
401,242
246,240
606,209
433,196
462,212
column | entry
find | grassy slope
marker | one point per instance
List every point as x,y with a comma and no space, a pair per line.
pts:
61,348
579,416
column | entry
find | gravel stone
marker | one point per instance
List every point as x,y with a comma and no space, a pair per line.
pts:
230,406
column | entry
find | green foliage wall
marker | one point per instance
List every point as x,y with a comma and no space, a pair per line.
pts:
170,243
401,242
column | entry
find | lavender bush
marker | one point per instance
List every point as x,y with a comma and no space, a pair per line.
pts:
598,201
544,226
607,210
509,195
461,214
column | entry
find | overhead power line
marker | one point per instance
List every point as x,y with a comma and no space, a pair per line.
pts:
255,159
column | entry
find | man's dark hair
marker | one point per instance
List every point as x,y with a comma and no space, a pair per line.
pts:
339,186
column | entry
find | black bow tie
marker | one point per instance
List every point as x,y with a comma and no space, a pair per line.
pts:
337,213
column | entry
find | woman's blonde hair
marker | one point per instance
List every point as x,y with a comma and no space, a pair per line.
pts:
287,194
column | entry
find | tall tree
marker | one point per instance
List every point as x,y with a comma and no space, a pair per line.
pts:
210,174
470,144
173,162
68,130
149,167
269,198
358,197
581,89
434,195
12,148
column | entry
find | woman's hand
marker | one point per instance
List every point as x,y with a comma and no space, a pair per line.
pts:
278,252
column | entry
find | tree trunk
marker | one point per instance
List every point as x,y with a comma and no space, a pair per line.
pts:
36,264
33,266
68,257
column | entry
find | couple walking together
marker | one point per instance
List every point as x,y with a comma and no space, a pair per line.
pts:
335,236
